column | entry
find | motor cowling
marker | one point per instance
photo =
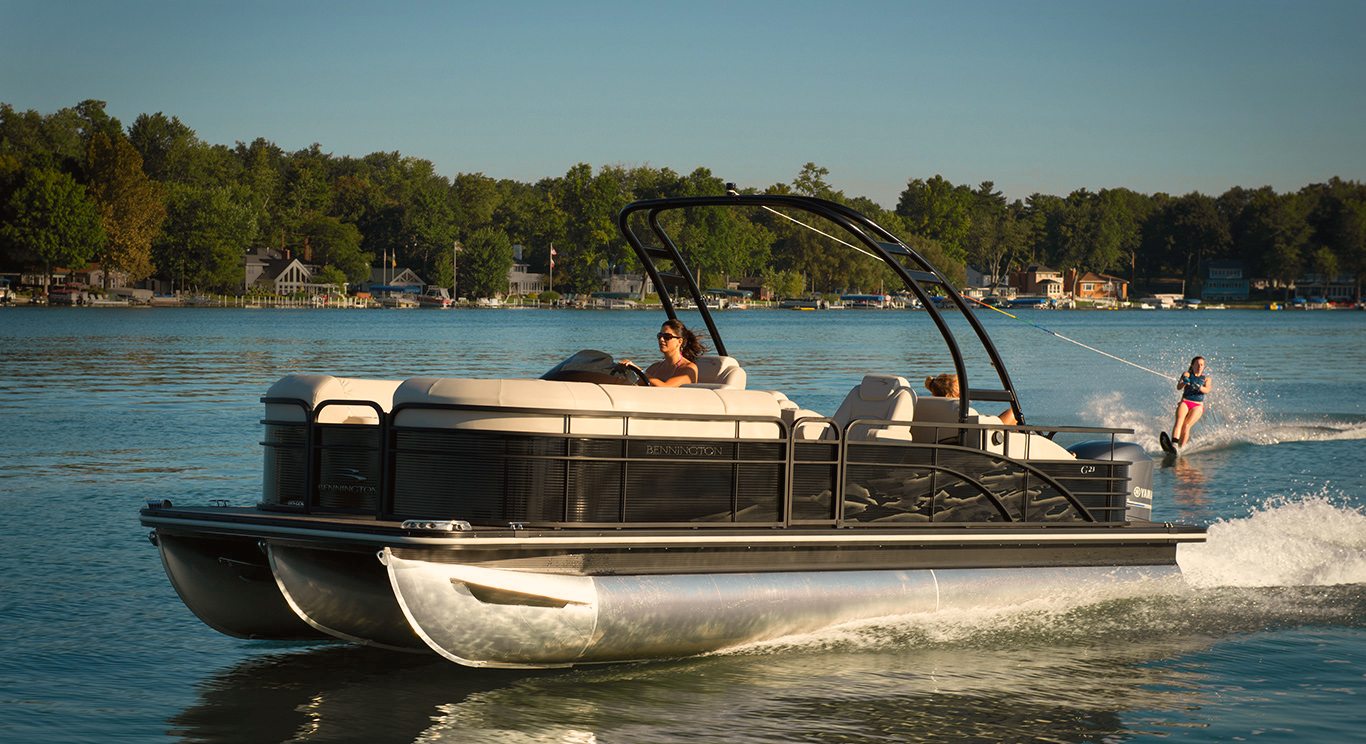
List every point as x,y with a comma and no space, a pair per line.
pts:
1139,501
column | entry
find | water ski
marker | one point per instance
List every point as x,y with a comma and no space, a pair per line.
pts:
1165,441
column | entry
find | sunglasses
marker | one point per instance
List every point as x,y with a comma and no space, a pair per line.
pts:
666,336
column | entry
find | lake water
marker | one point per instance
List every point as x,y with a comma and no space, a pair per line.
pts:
1265,639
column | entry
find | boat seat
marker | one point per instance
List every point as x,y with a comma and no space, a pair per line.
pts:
314,389
791,413
718,372
550,406
1015,444
885,397
936,410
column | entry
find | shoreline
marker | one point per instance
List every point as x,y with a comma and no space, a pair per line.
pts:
241,303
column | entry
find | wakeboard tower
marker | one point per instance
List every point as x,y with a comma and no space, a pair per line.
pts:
581,518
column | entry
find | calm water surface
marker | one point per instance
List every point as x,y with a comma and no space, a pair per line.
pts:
1265,639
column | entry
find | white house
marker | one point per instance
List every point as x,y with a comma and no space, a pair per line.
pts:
278,272
401,280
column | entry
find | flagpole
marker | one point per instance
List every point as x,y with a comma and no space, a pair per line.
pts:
552,267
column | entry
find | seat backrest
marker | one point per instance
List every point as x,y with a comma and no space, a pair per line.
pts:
938,410
716,371
878,397
314,389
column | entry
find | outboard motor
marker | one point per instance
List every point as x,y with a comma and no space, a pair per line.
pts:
1140,485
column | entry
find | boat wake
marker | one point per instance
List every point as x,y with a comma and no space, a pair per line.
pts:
1290,563
1305,542
1220,431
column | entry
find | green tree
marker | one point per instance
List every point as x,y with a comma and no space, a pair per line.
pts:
784,284
206,235
593,244
938,210
485,258
1324,263
811,182
1278,234
1181,233
167,146
475,199
992,234
1337,218
49,220
130,203
331,275
335,244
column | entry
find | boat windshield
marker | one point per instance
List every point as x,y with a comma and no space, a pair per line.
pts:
590,365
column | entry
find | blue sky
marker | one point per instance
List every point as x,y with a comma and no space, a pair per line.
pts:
1037,97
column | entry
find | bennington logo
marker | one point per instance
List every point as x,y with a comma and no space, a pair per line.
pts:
352,473
683,450
348,474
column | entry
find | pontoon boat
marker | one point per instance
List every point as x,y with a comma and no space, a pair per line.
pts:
582,518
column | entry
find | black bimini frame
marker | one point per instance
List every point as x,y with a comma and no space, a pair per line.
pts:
878,241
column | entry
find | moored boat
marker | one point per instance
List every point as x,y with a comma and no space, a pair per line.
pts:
436,297
581,517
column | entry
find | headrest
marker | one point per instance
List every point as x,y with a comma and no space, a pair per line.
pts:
712,365
882,387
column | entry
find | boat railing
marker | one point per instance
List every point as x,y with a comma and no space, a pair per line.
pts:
574,474
313,465
894,479
582,476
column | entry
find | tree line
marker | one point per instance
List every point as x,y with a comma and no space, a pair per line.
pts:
154,200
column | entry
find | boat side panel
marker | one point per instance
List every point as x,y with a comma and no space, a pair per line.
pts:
227,583
487,617
783,558
343,594
522,620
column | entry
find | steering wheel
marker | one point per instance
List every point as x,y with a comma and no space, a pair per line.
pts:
631,374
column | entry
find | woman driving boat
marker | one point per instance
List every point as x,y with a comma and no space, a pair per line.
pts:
679,347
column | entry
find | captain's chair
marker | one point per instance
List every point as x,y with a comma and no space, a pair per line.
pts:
718,372
885,397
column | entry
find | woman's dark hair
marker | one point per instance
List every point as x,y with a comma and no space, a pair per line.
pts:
1193,361
691,348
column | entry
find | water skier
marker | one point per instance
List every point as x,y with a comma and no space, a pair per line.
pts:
1194,384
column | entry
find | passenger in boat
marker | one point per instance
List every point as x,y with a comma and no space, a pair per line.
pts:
946,386
1193,386
679,347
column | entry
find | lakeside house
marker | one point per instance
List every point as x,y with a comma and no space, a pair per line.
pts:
278,271
1223,280
755,286
397,279
521,279
1339,288
1094,287
1038,280
636,285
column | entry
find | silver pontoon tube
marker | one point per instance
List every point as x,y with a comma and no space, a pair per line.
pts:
499,618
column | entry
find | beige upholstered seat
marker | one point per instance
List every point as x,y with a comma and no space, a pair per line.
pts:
937,410
792,413
540,406
885,397
1016,444
314,389
714,371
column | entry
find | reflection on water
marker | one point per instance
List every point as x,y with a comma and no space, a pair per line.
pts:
1188,491
1117,668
